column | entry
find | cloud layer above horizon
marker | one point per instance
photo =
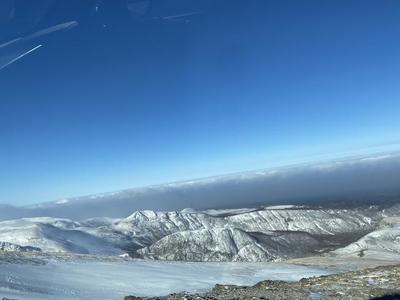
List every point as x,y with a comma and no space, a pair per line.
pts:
354,181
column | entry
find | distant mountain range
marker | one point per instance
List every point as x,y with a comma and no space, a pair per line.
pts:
264,234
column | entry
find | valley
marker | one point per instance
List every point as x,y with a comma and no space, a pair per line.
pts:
189,250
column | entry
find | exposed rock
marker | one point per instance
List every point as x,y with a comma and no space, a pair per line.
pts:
9,247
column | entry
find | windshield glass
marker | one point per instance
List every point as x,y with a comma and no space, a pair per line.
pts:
150,147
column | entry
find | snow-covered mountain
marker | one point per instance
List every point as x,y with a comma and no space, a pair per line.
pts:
231,244
262,235
265,234
53,235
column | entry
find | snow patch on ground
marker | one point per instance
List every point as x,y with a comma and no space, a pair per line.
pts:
116,279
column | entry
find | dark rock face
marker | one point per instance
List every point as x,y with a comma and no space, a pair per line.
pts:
375,283
10,247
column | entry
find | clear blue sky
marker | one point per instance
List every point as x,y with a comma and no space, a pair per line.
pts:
121,101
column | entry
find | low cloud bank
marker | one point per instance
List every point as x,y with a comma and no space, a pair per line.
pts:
366,180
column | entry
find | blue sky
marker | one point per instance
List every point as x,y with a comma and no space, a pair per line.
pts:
121,101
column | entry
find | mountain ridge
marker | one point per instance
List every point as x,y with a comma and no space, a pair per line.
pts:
266,234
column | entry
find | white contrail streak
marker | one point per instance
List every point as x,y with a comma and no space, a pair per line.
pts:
63,26
19,57
55,28
182,15
10,42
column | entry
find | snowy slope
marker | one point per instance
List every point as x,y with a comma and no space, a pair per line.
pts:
54,235
230,244
383,243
